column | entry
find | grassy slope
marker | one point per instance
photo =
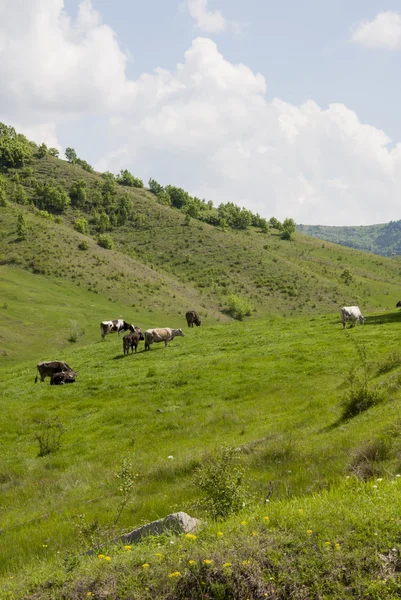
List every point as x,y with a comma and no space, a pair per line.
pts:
269,386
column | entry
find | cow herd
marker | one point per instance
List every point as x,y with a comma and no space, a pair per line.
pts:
60,373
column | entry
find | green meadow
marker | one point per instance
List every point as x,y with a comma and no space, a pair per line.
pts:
271,387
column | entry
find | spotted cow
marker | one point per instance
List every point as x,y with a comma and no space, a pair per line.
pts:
115,326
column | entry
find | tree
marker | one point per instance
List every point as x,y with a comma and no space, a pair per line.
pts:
71,155
78,193
179,197
106,241
22,229
18,195
81,225
51,197
347,276
42,151
289,225
124,208
15,149
155,187
126,178
53,152
85,165
275,224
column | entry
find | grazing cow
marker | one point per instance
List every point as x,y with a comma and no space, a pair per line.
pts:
62,378
48,368
398,305
353,314
192,317
164,334
117,325
131,340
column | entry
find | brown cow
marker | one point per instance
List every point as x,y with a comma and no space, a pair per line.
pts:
192,317
131,340
48,368
163,334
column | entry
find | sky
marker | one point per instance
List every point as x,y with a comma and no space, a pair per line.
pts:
290,109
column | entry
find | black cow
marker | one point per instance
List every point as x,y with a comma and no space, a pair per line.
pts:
62,378
192,317
48,368
398,305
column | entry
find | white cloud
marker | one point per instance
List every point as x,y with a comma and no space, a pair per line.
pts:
207,20
206,125
384,31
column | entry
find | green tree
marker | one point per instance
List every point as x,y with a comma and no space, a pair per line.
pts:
22,229
53,152
126,178
289,225
178,196
155,187
19,195
84,165
42,151
51,197
275,224
15,150
124,208
78,193
347,276
71,155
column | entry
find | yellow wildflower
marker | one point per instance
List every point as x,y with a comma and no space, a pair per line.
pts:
254,533
246,562
128,547
145,566
107,558
190,536
220,533
337,546
175,574
244,522
300,510
207,561
158,555
44,545
192,562
309,531
327,543
226,565
100,555
266,518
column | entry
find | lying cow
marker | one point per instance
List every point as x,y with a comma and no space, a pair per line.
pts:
353,314
398,305
192,317
62,378
48,368
131,340
164,334
118,325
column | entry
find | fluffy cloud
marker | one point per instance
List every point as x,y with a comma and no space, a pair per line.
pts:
384,31
206,125
207,20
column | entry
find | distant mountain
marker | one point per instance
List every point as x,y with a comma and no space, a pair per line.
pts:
383,239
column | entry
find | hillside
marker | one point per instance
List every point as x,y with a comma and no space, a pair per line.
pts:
309,411
384,239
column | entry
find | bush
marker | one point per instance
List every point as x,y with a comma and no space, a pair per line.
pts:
106,241
220,480
22,229
238,308
50,437
83,245
81,225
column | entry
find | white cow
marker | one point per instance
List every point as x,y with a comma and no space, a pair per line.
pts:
118,325
353,314
164,334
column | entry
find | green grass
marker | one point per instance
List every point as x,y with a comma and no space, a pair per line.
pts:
270,387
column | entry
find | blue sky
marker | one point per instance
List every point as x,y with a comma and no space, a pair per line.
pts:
289,108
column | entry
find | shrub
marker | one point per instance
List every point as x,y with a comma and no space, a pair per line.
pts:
286,235
50,437
221,482
75,332
83,245
18,195
106,241
22,229
81,225
238,308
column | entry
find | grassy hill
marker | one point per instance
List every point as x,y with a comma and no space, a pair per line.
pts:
311,411
383,239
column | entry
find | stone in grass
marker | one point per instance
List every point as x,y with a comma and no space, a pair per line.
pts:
178,522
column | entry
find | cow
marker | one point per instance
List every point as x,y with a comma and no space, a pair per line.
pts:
131,340
117,325
192,317
48,368
353,314
398,305
164,334
63,377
